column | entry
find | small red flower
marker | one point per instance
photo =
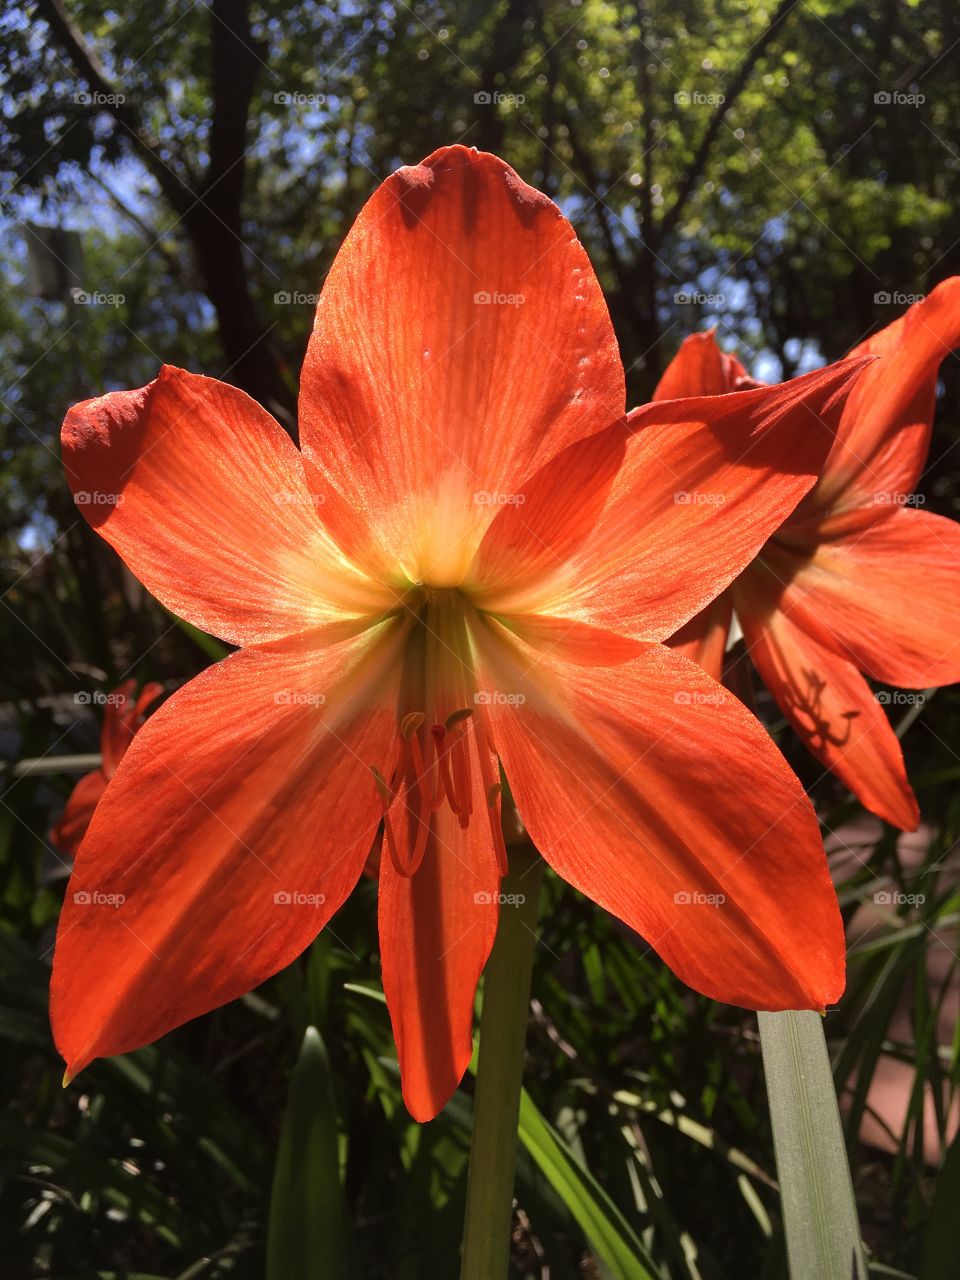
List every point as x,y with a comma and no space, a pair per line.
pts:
471,563
857,579
122,718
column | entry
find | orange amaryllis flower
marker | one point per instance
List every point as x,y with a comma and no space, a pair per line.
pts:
470,563
857,580
122,717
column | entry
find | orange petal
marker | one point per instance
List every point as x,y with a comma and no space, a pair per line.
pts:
699,368
237,822
884,433
203,495
117,730
886,598
830,705
78,811
461,340
436,931
704,638
653,791
675,503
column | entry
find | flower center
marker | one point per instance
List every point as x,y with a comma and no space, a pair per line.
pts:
445,758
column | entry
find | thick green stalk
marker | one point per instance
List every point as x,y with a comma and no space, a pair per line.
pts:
819,1211
496,1106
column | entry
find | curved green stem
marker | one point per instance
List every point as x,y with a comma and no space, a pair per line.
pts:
819,1211
496,1106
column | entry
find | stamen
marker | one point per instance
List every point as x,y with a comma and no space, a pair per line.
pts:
455,717
492,788
386,794
464,783
443,766
411,722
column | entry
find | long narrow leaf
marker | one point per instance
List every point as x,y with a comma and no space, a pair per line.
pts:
308,1236
819,1213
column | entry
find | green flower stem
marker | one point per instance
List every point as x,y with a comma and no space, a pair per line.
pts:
819,1211
496,1106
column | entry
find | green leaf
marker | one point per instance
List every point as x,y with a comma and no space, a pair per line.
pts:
819,1212
610,1235
308,1235
943,1227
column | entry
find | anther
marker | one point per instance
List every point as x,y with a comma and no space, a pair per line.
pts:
455,717
411,722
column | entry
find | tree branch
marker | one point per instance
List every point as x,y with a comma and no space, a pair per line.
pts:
695,172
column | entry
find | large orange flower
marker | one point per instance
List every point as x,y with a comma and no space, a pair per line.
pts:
472,561
857,580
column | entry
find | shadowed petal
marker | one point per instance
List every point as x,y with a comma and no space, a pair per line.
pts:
237,822
436,932
700,368
704,638
461,340
828,702
653,791
884,433
203,495
672,505
886,598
